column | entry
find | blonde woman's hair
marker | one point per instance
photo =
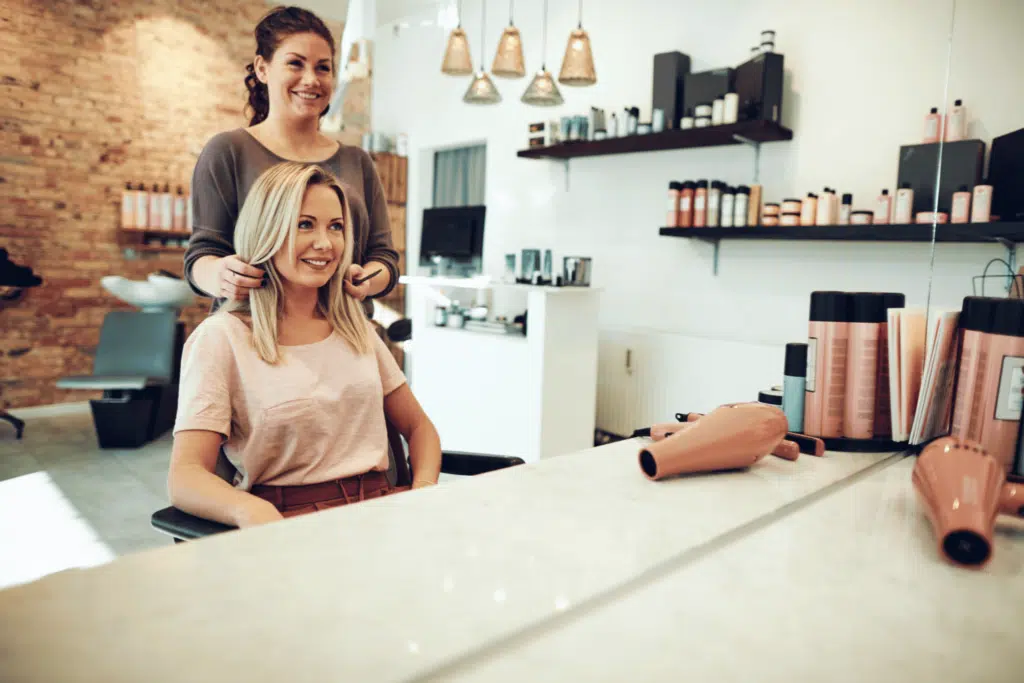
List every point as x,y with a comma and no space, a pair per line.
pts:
266,224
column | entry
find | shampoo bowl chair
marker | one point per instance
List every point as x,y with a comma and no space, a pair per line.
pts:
185,527
136,368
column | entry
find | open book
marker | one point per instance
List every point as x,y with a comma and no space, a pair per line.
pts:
922,370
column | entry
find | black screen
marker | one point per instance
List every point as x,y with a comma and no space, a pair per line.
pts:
454,233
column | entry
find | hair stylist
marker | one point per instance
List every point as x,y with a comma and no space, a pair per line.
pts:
290,84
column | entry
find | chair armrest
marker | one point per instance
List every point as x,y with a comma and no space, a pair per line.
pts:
456,462
185,526
110,382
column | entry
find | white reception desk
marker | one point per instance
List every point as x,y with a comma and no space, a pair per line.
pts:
573,568
532,396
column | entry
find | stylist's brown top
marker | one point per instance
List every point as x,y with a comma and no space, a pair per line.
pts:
230,164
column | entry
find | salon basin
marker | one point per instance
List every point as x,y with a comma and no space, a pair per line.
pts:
156,293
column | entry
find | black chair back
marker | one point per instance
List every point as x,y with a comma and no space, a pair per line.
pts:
138,343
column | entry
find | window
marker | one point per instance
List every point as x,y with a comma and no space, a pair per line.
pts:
459,176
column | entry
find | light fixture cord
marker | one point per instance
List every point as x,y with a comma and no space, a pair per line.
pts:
544,40
483,27
458,9
581,15
510,4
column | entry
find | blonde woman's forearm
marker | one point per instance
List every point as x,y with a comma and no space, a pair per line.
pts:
424,454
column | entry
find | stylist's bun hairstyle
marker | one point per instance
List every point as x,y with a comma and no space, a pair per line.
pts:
276,25
266,224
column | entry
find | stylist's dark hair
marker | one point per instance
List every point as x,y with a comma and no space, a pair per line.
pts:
274,27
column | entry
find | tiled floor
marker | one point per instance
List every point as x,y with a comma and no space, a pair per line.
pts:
64,502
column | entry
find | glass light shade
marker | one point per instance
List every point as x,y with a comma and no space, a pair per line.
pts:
578,63
508,60
482,90
457,61
542,91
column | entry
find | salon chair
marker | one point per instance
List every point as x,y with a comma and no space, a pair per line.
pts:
136,366
14,280
185,527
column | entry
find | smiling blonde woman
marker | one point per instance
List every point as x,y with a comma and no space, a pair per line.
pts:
293,382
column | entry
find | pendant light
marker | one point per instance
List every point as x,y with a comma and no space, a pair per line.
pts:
508,60
542,91
481,90
578,63
457,60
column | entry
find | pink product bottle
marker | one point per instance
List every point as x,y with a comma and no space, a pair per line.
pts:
700,204
932,126
981,205
956,122
155,203
128,207
827,346
672,220
686,205
883,209
179,210
883,407
975,320
1000,382
904,212
809,209
141,207
823,215
961,211
867,316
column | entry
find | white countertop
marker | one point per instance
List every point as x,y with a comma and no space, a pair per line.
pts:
848,588
392,588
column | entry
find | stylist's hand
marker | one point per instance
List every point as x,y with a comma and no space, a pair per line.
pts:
360,292
236,278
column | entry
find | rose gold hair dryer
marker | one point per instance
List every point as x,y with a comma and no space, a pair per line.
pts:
730,437
961,487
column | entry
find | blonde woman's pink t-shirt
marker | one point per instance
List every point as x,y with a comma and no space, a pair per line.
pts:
316,416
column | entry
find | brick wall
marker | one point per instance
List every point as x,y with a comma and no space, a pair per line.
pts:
94,94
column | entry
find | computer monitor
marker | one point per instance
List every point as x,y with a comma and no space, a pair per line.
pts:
452,240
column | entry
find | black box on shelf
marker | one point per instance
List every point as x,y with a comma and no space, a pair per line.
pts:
758,85
670,69
704,87
1006,176
962,164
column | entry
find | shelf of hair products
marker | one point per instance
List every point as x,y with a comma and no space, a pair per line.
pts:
162,218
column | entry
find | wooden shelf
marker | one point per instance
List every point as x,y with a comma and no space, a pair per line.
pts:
156,247
1007,233
745,132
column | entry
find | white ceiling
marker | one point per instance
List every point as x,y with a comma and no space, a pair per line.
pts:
388,11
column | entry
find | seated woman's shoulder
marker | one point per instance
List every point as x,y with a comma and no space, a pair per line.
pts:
221,327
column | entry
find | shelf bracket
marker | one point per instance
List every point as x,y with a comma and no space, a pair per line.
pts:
757,154
565,168
716,246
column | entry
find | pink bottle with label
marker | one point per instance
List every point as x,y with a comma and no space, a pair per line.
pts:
827,347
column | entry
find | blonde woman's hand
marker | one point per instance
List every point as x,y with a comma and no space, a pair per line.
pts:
236,278
256,512
357,272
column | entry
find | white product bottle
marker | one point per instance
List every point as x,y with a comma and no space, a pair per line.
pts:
904,205
732,108
141,207
178,220
956,122
728,207
166,208
154,208
961,211
809,209
714,203
717,112
128,207
845,209
742,204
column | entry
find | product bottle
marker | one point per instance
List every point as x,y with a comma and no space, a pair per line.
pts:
809,209
824,212
732,108
188,213
686,205
975,323
827,339
740,210
714,203
728,207
883,209
141,207
128,207
883,401
981,205
961,210
931,126
794,385
155,222
754,206
834,199
700,204
179,210
166,208
867,315
904,205
844,210
673,205
956,122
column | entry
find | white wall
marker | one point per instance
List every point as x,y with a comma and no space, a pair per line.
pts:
860,77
